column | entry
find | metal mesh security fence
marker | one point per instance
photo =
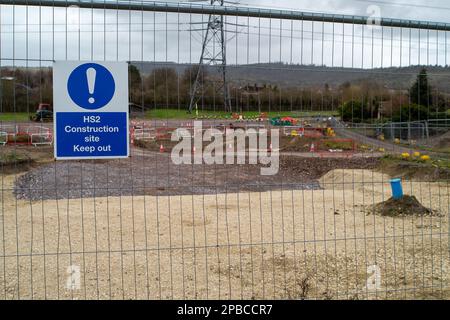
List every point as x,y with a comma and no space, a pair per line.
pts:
349,102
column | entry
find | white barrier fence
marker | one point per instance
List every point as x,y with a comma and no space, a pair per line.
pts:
3,138
40,135
34,135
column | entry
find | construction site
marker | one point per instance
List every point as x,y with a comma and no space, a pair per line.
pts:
357,207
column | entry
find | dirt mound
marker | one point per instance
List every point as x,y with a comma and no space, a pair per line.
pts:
406,206
343,179
13,161
412,170
296,144
442,141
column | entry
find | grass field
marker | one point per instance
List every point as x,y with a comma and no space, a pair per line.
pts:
11,116
429,166
182,114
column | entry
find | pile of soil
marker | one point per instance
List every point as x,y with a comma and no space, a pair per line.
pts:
349,179
406,206
287,144
317,168
441,142
296,144
415,170
154,145
12,161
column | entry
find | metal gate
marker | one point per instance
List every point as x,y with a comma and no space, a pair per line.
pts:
322,224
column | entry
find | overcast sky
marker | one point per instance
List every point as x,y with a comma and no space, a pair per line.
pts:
32,36
433,10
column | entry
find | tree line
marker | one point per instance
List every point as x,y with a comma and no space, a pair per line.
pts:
420,102
22,89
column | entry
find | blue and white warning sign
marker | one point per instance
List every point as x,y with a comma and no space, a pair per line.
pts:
91,110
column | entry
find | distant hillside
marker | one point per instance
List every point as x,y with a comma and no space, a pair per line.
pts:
307,76
317,76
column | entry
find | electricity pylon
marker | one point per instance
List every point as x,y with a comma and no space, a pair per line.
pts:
213,54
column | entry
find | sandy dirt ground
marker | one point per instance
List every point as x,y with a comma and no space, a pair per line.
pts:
285,244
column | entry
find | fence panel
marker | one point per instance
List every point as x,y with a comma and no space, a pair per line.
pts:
277,184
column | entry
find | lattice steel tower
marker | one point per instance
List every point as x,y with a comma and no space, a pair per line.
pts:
213,54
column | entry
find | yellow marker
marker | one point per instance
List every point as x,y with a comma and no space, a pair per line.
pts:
425,158
405,155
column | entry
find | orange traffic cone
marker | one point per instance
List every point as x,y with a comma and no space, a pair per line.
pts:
313,148
161,148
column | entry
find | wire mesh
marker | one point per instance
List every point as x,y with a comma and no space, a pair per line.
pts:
369,102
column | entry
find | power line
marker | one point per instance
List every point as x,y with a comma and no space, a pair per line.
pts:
213,53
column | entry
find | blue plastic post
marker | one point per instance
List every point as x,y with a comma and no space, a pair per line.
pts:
397,190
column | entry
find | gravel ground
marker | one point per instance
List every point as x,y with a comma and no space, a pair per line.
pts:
154,174
290,244
141,228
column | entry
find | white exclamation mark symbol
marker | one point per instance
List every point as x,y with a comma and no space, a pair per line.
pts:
90,74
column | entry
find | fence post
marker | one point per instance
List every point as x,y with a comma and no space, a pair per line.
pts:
409,131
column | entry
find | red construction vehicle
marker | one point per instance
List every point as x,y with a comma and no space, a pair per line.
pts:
44,113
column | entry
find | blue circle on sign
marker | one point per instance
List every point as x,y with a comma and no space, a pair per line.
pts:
91,86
